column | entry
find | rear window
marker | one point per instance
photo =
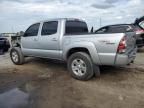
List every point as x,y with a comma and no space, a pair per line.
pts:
75,27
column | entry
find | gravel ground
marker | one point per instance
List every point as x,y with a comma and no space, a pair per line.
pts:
47,84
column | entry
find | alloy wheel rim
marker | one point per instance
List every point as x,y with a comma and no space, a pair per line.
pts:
78,67
15,56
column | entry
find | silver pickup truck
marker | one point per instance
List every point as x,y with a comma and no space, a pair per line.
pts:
68,39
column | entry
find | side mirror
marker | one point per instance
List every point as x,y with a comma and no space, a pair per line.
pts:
21,33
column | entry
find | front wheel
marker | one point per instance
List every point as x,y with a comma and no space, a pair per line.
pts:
17,56
80,66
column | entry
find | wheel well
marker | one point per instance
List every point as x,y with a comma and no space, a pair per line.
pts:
78,49
17,45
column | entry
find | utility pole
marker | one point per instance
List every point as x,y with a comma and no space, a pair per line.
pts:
100,22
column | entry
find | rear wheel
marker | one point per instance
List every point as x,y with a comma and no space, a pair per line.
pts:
16,56
80,66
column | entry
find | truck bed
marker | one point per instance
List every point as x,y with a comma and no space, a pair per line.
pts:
105,45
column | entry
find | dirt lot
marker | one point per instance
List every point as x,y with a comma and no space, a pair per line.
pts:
46,84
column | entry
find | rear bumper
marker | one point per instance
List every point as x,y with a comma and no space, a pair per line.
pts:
125,59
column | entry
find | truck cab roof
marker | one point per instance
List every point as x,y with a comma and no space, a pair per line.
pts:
57,19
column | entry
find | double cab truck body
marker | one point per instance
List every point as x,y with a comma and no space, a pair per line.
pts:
68,39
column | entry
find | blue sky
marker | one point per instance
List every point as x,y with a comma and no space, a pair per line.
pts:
17,15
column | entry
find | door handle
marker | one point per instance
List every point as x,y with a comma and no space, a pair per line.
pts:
54,39
35,39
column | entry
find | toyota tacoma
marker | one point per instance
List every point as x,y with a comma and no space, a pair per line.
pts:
69,40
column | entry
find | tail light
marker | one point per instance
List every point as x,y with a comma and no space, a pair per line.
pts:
139,31
122,45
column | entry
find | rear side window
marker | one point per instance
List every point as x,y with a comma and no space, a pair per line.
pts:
75,27
32,30
49,28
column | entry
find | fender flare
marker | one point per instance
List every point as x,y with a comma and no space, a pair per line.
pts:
88,45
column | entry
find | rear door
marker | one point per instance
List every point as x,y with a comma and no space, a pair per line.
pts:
49,41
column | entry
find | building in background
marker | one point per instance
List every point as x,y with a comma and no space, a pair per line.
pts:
8,34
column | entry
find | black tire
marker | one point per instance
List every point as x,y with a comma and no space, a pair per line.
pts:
6,49
96,70
88,64
19,54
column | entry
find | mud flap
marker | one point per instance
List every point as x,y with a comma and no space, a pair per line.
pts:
96,70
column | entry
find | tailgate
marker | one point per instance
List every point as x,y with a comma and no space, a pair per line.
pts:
130,50
130,41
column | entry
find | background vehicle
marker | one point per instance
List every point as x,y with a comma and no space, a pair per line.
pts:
125,28
68,40
4,45
140,23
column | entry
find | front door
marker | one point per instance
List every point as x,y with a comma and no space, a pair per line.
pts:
29,42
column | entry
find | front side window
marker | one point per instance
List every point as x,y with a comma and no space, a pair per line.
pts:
49,28
32,30
75,27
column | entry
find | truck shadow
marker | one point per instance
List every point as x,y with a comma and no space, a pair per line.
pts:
116,74
56,67
47,63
